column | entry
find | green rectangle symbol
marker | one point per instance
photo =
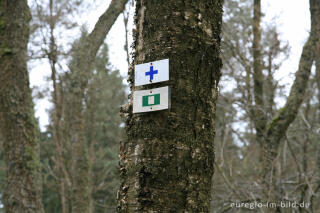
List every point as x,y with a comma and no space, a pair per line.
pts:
150,100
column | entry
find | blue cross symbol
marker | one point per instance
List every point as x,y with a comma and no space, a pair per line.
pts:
151,72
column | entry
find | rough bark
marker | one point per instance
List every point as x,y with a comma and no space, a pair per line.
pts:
166,163
277,127
80,67
17,122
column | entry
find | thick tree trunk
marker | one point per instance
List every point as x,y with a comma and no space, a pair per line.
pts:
17,123
81,66
166,163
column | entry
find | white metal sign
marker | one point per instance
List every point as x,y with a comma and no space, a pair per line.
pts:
151,100
152,72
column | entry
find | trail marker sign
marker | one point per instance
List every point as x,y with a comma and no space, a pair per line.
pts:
151,100
152,72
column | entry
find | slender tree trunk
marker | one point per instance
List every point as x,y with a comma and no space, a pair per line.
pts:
260,118
17,123
167,163
125,15
62,173
315,18
317,49
270,88
259,112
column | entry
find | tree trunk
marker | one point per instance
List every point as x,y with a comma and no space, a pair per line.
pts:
317,48
278,126
260,119
166,163
81,65
63,180
18,125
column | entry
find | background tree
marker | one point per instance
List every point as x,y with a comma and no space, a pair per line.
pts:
277,127
105,93
51,23
49,27
19,129
238,167
105,130
81,62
